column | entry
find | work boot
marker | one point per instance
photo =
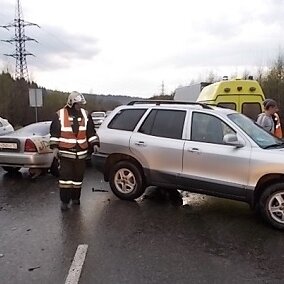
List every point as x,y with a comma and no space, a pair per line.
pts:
76,201
64,206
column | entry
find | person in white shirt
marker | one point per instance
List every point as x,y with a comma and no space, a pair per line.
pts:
265,119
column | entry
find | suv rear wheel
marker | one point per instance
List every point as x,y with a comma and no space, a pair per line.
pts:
272,205
126,181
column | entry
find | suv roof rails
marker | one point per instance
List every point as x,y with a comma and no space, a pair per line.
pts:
159,102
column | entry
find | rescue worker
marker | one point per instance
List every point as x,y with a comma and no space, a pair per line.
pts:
265,119
72,136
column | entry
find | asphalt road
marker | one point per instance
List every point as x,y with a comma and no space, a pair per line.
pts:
153,240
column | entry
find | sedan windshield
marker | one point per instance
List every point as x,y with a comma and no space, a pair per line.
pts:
261,137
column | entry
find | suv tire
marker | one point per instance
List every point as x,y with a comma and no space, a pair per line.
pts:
126,181
271,205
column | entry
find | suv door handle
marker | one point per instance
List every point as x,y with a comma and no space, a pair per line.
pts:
140,143
193,150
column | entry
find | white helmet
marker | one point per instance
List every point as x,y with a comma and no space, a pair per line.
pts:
75,97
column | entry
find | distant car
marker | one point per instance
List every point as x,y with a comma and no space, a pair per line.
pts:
108,112
5,126
28,147
98,117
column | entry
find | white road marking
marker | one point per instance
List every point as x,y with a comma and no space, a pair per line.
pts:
77,264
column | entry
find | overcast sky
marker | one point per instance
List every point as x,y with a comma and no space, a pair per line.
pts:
129,47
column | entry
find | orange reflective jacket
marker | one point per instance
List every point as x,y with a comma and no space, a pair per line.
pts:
68,139
278,129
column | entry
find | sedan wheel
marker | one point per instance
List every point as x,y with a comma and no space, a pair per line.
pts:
11,170
126,181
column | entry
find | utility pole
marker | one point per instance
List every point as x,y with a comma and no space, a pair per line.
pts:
163,89
20,54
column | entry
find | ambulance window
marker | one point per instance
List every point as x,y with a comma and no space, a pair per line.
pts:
227,105
251,110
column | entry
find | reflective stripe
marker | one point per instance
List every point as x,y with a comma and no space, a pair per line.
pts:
68,155
66,129
73,156
55,139
93,138
85,116
82,152
73,153
65,186
77,186
72,141
70,182
61,114
69,129
68,139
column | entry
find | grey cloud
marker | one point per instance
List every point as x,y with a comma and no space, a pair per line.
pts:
220,28
273,15
55,48
231,53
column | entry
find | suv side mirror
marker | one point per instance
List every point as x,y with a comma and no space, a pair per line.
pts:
232,139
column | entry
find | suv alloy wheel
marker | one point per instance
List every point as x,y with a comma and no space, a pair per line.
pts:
126,181
272,205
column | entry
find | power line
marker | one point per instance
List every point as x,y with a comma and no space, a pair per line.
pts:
20,54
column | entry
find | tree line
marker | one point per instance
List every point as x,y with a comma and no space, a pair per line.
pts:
14,95
15,105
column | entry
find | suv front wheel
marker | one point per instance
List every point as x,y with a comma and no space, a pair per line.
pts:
126,181
272,205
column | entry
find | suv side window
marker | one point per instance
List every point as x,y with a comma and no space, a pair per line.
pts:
164,123
126,119
208,128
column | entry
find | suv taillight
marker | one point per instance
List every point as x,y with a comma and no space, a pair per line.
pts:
30,146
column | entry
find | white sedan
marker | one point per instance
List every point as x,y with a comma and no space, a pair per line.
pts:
28,147
5,126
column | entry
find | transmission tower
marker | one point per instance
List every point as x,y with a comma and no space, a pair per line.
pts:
20,54
163,89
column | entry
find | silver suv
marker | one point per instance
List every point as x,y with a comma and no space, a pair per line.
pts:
193,147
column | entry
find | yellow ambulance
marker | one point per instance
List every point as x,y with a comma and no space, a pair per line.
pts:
245,96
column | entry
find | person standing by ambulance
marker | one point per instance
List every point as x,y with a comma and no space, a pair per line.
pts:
72,136
266,119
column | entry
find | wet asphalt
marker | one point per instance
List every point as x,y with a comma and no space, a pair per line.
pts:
161,238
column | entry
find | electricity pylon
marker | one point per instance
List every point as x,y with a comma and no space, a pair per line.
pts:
20,54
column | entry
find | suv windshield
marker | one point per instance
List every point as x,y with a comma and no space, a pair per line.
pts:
261,137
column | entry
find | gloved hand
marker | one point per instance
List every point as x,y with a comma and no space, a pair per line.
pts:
55,153
96,148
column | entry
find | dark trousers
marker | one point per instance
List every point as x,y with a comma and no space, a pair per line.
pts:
71,174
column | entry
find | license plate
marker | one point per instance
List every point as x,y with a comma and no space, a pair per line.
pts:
8,145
